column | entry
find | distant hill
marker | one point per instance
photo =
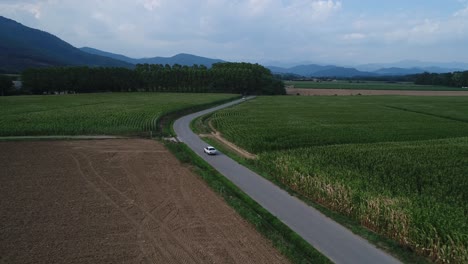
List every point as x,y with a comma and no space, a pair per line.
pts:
22,47
313,70
108,54
343,73
395,71
181,59
436,67
303,70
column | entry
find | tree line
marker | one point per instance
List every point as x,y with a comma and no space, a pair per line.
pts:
451,79
454,79
6,85
242,78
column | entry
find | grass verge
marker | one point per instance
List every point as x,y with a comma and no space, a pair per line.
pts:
290,244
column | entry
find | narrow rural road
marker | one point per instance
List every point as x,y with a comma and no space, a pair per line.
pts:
333,240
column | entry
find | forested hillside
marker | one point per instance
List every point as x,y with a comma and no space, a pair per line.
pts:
22,47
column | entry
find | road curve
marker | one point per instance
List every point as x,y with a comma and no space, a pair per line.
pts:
333,240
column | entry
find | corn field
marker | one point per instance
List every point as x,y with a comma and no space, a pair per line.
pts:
398,165
88,114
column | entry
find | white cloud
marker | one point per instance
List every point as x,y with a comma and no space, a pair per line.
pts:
151,5
354,36
427,27
256,7
415,33
101,17
461,13
325,8
31,8
304,11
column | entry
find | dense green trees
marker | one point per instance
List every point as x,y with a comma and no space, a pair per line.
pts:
455,79
79,80
242,78
6,85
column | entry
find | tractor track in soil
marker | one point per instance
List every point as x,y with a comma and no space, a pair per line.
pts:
115,201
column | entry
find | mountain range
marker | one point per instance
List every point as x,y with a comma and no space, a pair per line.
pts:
23,47
314,70
410,64
181,59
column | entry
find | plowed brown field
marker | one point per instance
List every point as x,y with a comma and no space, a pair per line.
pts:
115,201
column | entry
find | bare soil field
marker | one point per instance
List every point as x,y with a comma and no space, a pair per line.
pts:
304,91
115,201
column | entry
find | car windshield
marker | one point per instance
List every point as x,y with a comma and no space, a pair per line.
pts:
210,148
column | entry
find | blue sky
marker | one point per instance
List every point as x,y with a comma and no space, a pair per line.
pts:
322,31
425,7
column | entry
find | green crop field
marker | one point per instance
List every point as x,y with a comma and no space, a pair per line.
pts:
398,165
369,85
92,114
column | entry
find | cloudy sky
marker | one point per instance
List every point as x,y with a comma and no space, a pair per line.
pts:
320,31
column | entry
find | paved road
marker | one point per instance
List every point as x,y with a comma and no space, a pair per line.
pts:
333,240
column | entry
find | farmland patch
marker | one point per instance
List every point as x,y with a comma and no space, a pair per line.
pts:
93,114
115,201
395,164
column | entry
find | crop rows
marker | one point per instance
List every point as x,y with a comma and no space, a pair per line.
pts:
398,165
87,114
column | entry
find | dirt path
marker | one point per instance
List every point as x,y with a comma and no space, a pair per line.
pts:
115,201
303,91
217,136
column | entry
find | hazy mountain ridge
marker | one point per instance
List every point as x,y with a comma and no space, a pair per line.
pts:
23,47
314,70
108,54
181,59
309,70
410,64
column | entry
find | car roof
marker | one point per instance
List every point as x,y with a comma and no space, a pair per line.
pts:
210,147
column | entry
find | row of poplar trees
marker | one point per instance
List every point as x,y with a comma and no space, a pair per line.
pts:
240,78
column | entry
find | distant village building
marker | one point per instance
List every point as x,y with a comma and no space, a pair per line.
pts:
17,85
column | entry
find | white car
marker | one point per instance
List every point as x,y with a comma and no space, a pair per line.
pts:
210,150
